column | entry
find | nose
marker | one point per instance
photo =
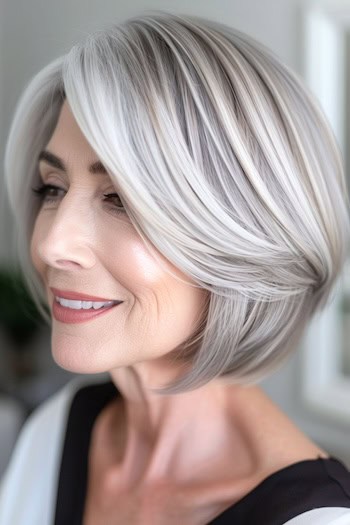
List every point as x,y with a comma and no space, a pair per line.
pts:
66,236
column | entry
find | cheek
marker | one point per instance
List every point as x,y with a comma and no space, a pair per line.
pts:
171,309
130,261
188,308
180,309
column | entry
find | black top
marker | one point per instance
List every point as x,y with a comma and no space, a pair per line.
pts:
281,496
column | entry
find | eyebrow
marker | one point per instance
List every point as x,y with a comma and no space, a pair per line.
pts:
56,162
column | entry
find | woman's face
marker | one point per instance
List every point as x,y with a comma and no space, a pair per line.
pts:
82,243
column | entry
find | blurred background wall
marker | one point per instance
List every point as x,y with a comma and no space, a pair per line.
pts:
33,32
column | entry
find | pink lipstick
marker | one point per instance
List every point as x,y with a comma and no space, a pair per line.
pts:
77,296
65,314
71,316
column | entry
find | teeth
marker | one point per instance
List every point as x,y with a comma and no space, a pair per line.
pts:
82,305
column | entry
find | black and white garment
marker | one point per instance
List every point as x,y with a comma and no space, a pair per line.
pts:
45,482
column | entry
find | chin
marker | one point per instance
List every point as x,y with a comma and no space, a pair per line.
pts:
77,356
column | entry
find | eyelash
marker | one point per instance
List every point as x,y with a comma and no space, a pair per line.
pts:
41,192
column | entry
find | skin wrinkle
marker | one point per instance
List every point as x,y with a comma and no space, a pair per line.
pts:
197,208
79,244
155,304
229,171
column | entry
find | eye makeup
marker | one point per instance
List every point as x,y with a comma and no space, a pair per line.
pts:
47,193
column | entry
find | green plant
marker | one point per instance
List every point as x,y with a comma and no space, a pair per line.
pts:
19,317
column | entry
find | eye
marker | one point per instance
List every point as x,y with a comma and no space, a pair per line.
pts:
118,208
47,192
50,193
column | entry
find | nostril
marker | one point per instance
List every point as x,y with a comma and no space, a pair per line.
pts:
64,263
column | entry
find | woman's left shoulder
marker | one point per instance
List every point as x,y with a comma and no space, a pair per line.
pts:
315,492
322,516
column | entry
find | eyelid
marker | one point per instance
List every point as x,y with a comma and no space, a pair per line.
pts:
43,177
44,187
44,173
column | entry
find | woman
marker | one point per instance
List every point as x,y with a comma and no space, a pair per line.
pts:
181,211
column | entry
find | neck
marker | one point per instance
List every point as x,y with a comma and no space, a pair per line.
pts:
151,413
161,429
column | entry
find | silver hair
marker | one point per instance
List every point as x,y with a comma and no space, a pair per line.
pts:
225,164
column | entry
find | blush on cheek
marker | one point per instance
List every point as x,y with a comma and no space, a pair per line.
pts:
143,263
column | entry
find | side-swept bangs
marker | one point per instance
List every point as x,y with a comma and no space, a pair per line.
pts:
226,166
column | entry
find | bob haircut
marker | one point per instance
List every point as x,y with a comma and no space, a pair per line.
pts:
225,164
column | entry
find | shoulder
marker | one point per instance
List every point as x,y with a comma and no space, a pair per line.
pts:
35,459
309,492
325,498
315,492
322,516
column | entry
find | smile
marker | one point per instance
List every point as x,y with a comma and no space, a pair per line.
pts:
84,305
77,312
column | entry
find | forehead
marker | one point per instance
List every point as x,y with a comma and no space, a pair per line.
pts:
68,136
68,146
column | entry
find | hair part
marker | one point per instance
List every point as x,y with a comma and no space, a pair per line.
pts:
225,164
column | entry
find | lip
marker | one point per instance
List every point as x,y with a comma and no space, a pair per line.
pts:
71,316
77,296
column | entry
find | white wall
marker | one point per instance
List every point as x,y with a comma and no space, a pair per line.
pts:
36,31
